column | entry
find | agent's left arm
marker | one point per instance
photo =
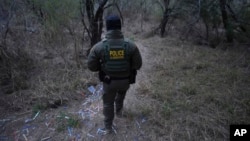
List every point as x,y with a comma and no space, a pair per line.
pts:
94,63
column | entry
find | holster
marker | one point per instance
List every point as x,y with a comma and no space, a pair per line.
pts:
104,78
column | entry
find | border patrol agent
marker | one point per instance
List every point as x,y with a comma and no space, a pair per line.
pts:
117,60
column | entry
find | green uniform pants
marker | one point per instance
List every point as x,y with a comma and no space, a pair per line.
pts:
114,93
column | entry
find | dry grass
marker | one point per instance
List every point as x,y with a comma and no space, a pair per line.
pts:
58,79
183,91
52,78
196,92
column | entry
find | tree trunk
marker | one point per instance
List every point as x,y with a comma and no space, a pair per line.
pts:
95,20
226,22
164,20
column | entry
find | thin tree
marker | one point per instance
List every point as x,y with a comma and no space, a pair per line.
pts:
95,19
165,18
225,20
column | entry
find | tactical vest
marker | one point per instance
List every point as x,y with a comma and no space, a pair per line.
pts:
116,59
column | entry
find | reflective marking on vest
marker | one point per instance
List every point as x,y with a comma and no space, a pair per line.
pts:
116,54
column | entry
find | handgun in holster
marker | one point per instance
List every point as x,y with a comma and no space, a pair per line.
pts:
104,78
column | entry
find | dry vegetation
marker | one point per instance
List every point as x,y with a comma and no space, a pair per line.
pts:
193,92
183,91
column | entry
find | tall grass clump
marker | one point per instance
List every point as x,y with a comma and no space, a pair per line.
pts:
199,91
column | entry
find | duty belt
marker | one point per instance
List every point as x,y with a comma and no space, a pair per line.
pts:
119,78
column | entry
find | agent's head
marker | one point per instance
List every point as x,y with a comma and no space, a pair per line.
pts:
113,22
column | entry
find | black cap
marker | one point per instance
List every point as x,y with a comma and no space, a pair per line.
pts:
113,22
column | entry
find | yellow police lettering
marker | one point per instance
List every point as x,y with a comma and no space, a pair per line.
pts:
116,54
112,53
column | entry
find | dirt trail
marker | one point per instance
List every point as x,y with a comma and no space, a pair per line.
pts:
135,99
53,124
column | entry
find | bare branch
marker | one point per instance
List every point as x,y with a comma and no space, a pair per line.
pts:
160,4
235,17
109,5
100,10
90,10
7,29
119,10
83,21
